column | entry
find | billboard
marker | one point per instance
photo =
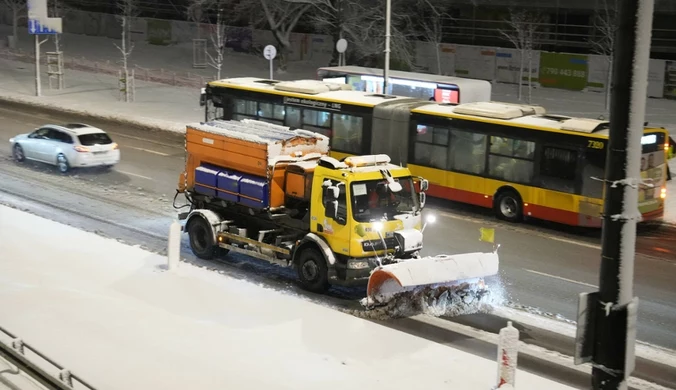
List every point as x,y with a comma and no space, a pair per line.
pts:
563,70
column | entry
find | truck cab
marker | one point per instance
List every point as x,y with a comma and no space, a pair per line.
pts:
368,212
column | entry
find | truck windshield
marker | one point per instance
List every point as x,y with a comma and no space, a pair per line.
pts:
373,200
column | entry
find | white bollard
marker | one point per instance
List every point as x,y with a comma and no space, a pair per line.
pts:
508,350
174,245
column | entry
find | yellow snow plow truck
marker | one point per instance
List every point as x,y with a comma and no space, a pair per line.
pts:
272,192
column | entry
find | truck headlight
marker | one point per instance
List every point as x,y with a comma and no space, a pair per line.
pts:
358,264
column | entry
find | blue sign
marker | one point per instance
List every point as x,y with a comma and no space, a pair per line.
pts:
34,27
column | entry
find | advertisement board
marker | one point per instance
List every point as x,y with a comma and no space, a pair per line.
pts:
563,70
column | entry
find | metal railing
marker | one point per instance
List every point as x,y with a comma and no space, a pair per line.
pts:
16,354
162,76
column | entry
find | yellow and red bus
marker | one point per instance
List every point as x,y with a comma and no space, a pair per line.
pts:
515,159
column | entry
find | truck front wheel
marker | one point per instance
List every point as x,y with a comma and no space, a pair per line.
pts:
202,239
312,271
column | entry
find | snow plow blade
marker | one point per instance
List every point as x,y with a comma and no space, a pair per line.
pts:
432,274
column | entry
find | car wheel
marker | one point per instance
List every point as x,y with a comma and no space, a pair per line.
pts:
62,163
18,154
312,271
508,206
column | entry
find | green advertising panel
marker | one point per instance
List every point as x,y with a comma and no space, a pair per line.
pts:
563,71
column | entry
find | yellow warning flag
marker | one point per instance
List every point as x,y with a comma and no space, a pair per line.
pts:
487,235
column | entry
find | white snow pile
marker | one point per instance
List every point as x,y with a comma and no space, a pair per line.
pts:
114,315
443,300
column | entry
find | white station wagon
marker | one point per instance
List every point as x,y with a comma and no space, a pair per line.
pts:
72,145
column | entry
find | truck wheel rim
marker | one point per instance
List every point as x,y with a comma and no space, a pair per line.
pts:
310,270
508,207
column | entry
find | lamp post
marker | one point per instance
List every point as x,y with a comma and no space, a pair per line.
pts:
386,71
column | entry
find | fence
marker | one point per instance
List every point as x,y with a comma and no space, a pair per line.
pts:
18,352
549,69
162,76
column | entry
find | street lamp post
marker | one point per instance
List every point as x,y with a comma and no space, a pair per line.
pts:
607,318
386,72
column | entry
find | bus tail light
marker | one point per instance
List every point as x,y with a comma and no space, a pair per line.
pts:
663,193
666,146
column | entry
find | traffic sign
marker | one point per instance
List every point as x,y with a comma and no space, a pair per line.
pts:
34,27
38,21
270,52
341,45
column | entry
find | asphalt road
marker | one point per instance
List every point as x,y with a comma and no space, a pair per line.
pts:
541,266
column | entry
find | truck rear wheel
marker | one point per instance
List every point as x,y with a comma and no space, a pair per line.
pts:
202,239
312,271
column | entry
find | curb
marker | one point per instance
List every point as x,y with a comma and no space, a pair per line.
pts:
26,103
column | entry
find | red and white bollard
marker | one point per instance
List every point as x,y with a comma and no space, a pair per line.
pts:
508,350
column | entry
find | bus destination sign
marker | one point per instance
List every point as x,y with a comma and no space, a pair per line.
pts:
312,103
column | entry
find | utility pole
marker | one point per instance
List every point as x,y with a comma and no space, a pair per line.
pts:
606,333
388,17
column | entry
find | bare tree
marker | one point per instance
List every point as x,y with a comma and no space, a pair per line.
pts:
282,16
362,24
605,21
16,7
128,10
431,23
523,34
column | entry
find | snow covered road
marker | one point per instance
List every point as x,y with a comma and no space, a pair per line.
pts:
541,267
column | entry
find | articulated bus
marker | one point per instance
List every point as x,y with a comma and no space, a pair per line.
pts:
515,159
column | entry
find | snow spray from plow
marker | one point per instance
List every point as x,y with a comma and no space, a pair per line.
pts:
415,285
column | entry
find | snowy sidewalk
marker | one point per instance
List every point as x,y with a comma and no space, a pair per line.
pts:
124,322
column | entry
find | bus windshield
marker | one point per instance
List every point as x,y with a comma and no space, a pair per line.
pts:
373,200
653,171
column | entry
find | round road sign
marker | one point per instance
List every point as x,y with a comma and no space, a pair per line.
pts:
341,45
269,52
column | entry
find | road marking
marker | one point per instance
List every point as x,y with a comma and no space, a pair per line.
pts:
560,278
146,140
147,150
521,230
135,174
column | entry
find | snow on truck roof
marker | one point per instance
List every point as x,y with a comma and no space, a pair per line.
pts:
255,131
309,89
521,115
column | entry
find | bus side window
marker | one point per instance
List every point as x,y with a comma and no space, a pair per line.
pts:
511,159
558,168
347,133
293,117
593,173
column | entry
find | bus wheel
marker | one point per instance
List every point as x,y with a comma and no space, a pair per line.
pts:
508,206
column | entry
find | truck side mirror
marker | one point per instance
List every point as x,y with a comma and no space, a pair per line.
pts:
423,199
424,185
203,97
331,209
330,194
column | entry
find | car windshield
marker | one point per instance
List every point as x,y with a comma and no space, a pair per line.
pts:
373,200
95,139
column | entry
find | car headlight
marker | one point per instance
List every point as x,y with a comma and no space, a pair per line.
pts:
358,264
